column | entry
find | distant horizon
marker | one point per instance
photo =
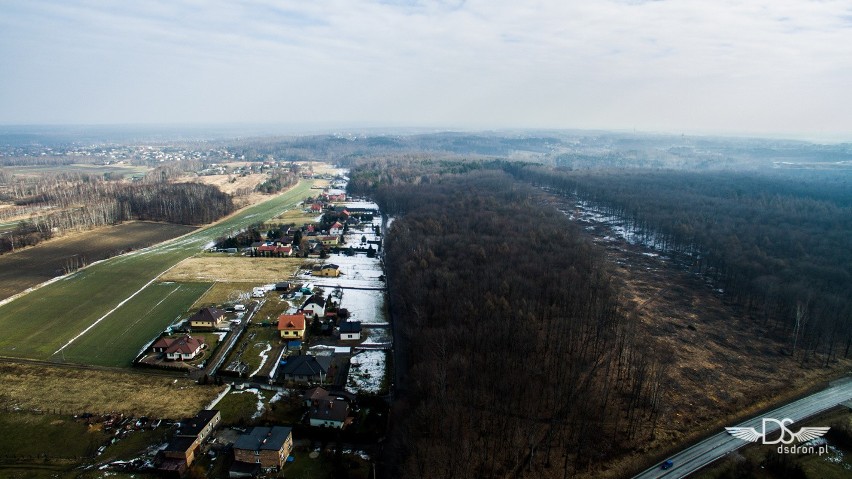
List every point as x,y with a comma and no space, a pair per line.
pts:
763,69
240,130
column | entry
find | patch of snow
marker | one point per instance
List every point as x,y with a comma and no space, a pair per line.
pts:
264,356
260,405
366,371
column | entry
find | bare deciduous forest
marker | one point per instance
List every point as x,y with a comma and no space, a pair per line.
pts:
518,349
519,355
80,203
775,243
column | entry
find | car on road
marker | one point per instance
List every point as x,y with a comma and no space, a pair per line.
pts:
667,464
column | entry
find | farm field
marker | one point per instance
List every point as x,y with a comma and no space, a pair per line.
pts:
38,325
234,268
111,343
31,266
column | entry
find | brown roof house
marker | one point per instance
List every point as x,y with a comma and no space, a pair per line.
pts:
291,326
184,348
267,446
207,318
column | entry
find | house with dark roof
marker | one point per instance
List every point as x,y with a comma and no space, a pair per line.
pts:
183,348
177,456
350,330
291,326
305,368
267,446
180,452
329,412
314,306
201,425
207,318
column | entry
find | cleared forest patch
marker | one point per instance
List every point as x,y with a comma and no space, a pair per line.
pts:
241,187
234,269
724,365
70,390
34,265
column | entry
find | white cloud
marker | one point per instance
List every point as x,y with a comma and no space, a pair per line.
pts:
758,66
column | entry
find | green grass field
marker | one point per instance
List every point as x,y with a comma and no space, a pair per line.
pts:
156,307
120,295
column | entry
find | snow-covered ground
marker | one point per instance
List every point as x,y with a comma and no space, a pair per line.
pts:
586,212
376,335
364,306
360,204
366,370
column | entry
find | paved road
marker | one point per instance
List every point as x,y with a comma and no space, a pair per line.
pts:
695,457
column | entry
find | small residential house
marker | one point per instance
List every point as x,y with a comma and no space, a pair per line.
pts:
201,425
305,368
207,318
326,270
314,306
316,208
267,446
329,412
292,326
314,394
177,456
182,448
328,240
274,251
183,348
335,229
350,330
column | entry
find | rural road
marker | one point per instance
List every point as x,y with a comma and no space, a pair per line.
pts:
695,457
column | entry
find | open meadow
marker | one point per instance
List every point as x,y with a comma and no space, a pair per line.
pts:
77,318
75,391
28,267
234,268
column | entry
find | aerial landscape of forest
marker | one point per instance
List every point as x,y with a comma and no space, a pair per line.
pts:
425,239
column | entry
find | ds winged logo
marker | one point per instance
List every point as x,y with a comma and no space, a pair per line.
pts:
787,436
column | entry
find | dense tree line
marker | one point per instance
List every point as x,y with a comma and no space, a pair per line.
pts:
277,181
778,243
517,356
83,206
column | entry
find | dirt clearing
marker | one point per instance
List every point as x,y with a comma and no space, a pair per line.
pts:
241,187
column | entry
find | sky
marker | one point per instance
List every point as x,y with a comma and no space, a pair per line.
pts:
774,67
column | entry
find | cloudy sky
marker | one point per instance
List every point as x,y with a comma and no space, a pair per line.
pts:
708,66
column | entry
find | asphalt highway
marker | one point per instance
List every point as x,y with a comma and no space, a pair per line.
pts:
715,447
